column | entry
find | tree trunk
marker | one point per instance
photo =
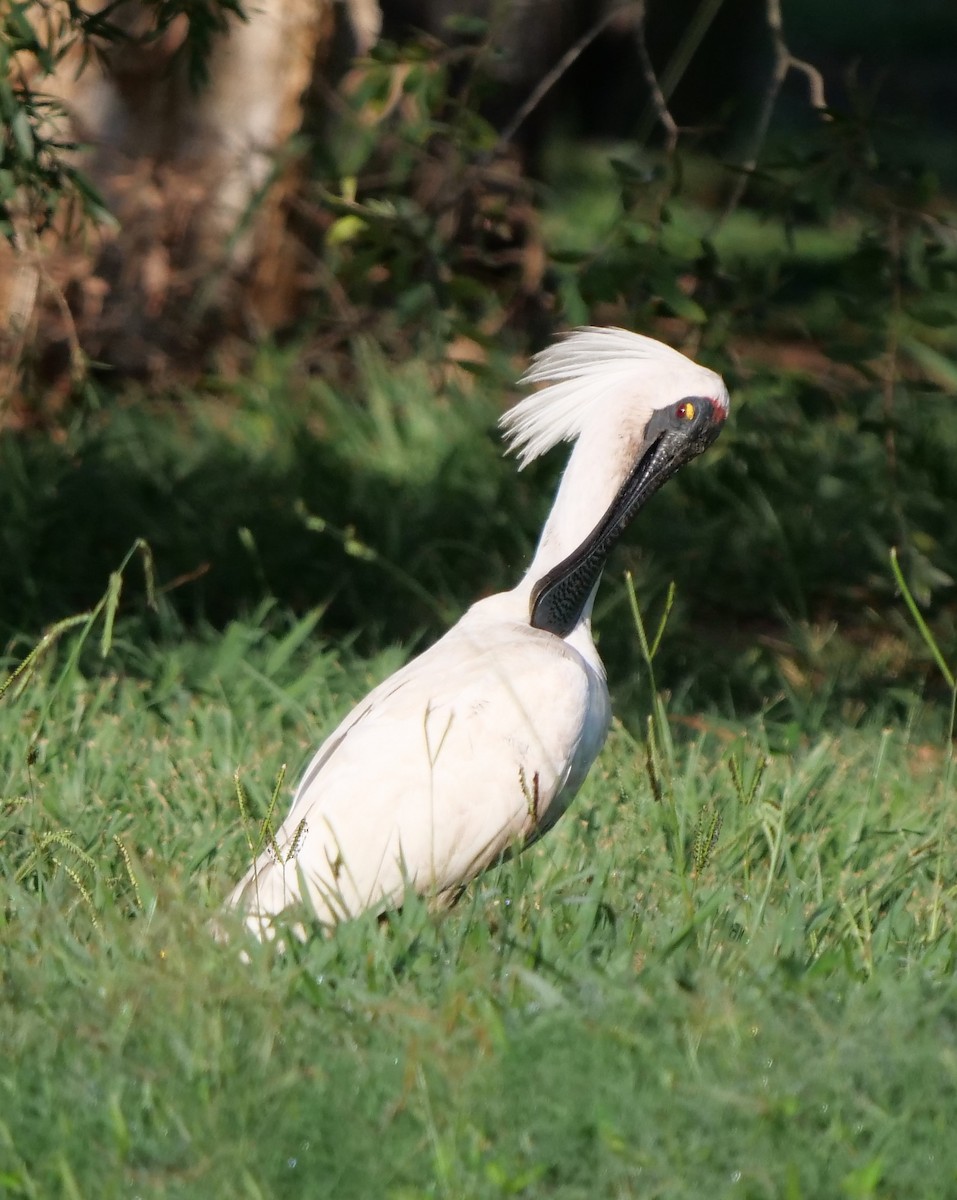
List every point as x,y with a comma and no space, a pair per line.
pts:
198,179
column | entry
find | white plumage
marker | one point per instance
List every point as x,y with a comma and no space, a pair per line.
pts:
596,376
478,745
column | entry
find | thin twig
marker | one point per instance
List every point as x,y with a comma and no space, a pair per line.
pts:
550,78
784,63
658,99
680,60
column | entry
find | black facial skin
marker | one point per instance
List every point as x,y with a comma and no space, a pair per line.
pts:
670,441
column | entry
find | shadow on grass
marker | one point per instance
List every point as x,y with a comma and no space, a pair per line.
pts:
784,526
232,500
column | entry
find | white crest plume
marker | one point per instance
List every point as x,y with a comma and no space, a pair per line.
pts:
586,370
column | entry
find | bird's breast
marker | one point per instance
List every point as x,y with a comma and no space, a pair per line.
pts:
469,751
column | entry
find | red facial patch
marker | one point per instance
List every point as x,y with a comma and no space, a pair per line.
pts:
718,411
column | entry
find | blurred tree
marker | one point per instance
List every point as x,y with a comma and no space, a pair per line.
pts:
248,191
179,114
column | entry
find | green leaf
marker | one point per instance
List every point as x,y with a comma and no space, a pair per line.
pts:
23,135
861,1184
631,173
679,303
934,365
345,229
465,26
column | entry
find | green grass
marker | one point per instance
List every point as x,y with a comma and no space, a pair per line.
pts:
628,1010
615,1013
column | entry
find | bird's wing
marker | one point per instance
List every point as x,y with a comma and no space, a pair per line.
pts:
475,745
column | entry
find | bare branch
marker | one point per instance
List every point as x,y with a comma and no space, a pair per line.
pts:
784,63
680,60
815,82
550,78
658,100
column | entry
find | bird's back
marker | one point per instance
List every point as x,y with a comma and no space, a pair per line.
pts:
476,746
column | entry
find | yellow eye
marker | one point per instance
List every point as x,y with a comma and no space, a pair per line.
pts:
685,411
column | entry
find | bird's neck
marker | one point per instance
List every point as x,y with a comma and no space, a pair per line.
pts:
592,478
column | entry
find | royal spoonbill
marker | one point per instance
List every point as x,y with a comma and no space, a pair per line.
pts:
476,747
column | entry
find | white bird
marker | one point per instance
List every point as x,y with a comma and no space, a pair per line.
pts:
476,747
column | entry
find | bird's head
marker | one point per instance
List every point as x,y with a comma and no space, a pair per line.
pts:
640,411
